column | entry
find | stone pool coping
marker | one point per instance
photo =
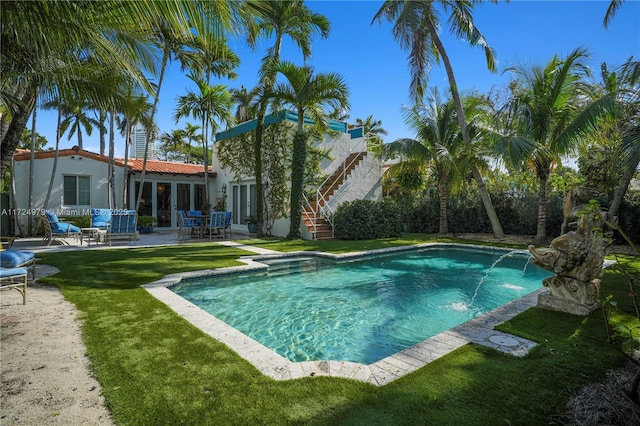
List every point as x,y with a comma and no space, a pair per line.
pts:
478,330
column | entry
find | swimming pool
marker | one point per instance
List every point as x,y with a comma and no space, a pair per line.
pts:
364,309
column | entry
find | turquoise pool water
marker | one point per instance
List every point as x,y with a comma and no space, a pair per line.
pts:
367,309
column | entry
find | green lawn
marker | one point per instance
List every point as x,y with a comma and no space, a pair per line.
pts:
155,368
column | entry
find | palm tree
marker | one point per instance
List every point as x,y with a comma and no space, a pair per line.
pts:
438,145
415,27
245,103
213,101
545,101
277,19
190,132
373,131
75,117
173,142
135,109
310,95
614,113
43,43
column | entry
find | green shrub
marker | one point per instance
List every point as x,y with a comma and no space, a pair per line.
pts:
367,220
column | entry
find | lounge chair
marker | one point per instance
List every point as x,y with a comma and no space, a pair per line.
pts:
215,225
54,229
11,259
15,278
186,225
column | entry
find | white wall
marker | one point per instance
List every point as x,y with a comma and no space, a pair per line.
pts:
67,165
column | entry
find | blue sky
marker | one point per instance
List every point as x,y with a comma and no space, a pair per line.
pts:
376,71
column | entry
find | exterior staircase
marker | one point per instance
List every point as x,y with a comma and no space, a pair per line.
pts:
311,216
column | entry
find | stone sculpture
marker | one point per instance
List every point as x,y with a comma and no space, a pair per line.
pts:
576,258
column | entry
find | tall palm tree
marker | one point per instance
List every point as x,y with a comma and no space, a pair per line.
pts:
135,109
546,99
277,19
310,95
438,144
212,101
415,27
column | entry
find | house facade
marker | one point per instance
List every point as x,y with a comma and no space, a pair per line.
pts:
81,182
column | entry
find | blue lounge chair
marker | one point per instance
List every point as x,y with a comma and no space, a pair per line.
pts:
100,218
18,259
53,228
15,278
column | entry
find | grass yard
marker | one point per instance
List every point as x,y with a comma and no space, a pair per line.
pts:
156,368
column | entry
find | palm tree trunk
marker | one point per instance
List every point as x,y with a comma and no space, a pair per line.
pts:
11,138
205,146
442,192
112,187
482,189
257,164
297,182
163,67
55,162
79,136
125,170
103,118
32,161
622,189
541,230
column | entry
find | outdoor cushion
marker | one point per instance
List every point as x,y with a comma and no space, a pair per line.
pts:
15,258
100,218
64,228
12,272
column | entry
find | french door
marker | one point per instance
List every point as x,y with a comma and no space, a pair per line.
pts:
243,202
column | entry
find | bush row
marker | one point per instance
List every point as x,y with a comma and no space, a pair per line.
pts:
364,219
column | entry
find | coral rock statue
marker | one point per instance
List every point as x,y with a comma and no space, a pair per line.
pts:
576,258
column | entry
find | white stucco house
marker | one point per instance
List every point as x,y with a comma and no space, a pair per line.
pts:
81,182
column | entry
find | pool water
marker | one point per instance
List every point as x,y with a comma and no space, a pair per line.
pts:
367,309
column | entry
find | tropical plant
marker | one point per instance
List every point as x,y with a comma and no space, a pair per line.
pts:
416,25
44,42
610,122
245,103
438,145
75,117
190,132
544,101
212,101
309,94
373,131
277,19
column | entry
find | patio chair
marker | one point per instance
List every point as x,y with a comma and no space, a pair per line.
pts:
14,278
11,259
100,218
54,229
123,224
215,225
227,223
196,215
186,225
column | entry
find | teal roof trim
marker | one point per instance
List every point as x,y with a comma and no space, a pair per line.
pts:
276,117
358,132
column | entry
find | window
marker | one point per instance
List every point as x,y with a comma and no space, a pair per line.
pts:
77,191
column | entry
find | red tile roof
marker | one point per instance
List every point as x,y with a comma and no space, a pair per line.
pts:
133,164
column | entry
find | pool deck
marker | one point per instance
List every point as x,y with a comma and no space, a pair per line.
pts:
478,330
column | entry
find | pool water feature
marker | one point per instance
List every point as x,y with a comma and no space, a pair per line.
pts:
366,309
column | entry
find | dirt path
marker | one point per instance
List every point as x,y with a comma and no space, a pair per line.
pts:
45,377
